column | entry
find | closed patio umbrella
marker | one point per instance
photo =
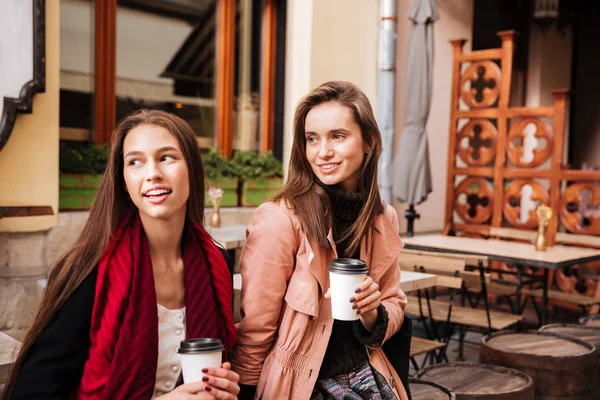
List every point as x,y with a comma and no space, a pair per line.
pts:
412,174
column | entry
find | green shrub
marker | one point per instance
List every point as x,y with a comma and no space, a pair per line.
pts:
251,165
83,159
244,165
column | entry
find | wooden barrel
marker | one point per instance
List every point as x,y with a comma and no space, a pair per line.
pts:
471,381
586,333
591,320
561,367
425,390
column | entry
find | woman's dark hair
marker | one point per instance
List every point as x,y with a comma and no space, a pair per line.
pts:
309,200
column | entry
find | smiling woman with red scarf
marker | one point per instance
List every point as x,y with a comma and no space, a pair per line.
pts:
142,276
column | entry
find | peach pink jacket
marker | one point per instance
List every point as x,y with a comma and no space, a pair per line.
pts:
286,322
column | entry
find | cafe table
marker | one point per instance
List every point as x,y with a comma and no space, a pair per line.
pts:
8,349
231,237
519,255
409,281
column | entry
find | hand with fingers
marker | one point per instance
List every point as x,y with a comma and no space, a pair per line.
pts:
221,383
217,384
365,302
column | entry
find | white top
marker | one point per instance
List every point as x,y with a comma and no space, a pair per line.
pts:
494,248
171,331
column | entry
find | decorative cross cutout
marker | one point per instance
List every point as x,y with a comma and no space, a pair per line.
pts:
527,204
476,142
481,83
530,143
587,209
473,200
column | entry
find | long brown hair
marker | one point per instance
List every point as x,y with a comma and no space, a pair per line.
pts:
309,200
110,207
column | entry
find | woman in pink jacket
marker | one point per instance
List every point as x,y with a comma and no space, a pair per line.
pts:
289,346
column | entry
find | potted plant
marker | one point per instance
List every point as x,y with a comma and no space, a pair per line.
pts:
252,176
216,173
263,180
81,169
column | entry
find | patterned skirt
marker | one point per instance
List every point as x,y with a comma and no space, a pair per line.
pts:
363,382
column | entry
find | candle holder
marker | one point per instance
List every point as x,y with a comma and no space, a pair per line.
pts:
544,213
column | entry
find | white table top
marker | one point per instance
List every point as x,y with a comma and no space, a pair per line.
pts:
7,351
503,250
230,236
409,281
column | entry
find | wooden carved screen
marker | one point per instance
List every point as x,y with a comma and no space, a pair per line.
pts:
498,154
490,172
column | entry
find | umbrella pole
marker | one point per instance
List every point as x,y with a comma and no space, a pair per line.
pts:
411,215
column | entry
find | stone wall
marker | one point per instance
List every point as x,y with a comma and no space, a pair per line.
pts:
25,259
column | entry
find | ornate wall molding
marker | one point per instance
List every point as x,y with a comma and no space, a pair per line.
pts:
12,105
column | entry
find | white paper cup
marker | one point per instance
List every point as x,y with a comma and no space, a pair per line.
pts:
197,354
345,275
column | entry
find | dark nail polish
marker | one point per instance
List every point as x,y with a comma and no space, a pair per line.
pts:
352,300
205,370
208,389
357,290
354,306
205,378
357,312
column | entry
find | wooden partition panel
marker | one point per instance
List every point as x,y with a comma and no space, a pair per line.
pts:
499,156
491,162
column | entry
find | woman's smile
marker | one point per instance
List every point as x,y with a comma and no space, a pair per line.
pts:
157,195
329,168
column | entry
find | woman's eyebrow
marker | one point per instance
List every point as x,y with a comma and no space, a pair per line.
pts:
133,153
161,150
167,148
338,130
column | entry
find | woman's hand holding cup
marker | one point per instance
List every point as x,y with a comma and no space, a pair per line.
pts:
365,302
221,383
217,383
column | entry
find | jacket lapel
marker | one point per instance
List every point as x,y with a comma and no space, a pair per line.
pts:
384,247
317,261
379,255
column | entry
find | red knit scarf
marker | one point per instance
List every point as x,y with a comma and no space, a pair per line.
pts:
124,331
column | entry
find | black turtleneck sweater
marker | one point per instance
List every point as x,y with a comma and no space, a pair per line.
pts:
346,348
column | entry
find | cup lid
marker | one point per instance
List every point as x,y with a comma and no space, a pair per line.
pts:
348,266
200,345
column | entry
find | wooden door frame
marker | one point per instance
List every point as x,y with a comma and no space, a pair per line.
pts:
105,73
105,99
267,108
226,11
